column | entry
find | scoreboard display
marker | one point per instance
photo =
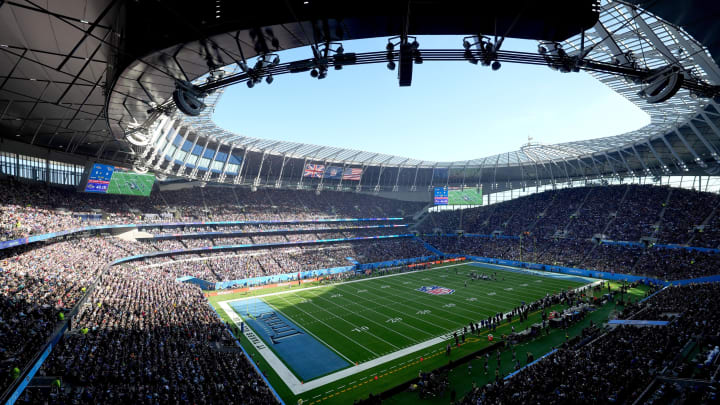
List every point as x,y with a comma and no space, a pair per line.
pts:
106,179
99,178
440,196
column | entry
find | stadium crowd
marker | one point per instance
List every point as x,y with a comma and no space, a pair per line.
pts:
656,262
36,208
138,323
618,366
141,338
620,212
38,287
265,262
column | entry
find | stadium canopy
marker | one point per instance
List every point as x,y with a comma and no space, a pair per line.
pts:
92,78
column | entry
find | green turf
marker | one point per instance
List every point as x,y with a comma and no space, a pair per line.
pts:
370,318
131,184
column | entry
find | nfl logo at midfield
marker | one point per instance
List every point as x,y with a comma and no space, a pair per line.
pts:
435,290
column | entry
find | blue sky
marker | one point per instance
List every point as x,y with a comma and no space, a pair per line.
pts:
452,111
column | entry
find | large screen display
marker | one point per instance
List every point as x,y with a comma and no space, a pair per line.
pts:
105,179
440,196
457,196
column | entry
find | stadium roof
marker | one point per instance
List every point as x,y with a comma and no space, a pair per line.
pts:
77,77
622,29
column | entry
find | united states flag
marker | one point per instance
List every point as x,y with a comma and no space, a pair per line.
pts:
312,170
352,174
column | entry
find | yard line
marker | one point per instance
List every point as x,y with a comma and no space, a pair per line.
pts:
540,292
421,304
320,340
352,324
399,312
377,323
479,309
347,282
513,276
330,327
464,306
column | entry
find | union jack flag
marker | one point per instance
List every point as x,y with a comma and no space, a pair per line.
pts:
351,173
312,170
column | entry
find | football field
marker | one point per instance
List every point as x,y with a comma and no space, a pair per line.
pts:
379,320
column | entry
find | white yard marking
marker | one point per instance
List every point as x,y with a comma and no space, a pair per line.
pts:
450,305
472,299
385,286
423,312
361,291
492,293
509,289
329,327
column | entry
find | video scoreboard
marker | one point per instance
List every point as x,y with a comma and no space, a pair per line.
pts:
457,196
106,179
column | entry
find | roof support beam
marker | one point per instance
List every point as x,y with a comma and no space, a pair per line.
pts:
627,166
88,32
208,173
708,145
679,161
697,54
690,149
12,70
612,166
181,168
195,169
642,162
650,34
711,124
663,166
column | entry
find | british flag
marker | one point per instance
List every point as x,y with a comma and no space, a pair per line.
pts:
436,290
312,170
352,173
